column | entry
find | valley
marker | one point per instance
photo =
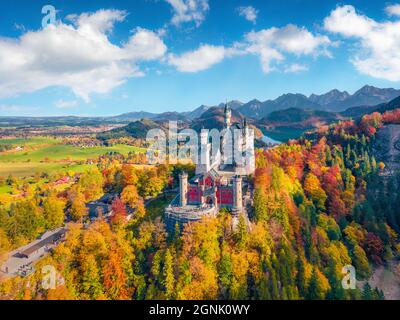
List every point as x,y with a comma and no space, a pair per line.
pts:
315,206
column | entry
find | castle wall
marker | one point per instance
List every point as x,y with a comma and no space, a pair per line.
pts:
194,194
225,196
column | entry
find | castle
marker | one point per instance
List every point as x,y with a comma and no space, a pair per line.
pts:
220,180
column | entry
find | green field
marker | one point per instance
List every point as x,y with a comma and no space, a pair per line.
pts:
50,155
23,169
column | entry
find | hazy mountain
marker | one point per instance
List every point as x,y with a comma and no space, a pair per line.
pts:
369,95
291,100
362,101
234,104
256,109
333,100
132,116
170,116
196,113
330,98
253,109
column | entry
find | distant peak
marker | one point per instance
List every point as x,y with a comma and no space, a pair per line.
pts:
367,88
255,101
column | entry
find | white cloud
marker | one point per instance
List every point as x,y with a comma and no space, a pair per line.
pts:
198,60
79,56
63,104
295,68
377,43
393,10
188,11
249,13
346,21
272,44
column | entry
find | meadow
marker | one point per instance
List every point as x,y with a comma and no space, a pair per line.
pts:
47,154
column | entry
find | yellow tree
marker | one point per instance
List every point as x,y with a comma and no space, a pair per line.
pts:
313,189
78,208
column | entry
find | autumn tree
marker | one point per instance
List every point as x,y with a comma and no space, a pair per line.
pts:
119,214
78,209
53,212
313,189
91,184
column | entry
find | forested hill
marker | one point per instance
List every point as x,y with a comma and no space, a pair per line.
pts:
320,203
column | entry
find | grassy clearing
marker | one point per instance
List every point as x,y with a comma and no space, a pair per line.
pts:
30,142
23,169
157,207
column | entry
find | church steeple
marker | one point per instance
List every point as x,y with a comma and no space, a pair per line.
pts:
228,115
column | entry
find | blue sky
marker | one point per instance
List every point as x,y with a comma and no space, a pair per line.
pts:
110,57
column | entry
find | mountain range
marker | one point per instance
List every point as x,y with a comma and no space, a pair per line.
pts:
334,101
365,100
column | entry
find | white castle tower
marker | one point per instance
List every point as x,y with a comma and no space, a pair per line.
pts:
205,150
237,194
183,187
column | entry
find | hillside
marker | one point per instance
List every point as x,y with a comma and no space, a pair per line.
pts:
358,112
386,147
293,122
137,129
214,118
300,117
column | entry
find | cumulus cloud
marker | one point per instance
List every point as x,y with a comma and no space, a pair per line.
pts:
272,44
393,10
295,68
188,11
249,13
377,43
77,55
346,21
198,60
